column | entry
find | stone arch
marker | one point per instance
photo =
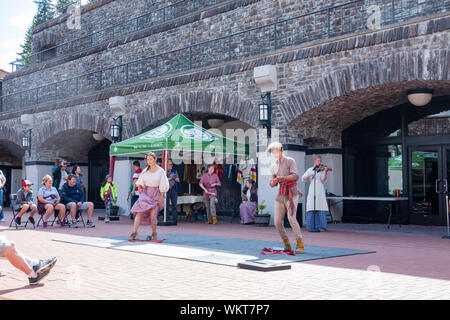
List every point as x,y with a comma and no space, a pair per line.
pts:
221,103
354,92
71,120
11,134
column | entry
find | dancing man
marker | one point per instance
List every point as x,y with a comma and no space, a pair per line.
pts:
284,173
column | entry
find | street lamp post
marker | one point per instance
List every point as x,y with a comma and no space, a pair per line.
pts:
116,129
265,113
266,80
26,142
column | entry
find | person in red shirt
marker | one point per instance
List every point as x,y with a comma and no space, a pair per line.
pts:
208,183
135,192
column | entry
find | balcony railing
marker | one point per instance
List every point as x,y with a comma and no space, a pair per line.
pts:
329,22
149,19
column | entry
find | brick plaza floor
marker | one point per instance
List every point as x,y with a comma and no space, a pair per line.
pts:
406,265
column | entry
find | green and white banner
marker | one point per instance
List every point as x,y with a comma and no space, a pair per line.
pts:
178,134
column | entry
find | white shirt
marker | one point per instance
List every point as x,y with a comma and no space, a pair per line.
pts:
154,179
319,175
63,175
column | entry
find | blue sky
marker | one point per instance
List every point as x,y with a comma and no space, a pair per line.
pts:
15,18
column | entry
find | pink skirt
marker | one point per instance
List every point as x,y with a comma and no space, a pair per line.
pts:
148,200
248,210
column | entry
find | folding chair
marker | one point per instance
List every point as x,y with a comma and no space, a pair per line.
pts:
41,219
78,216
13,200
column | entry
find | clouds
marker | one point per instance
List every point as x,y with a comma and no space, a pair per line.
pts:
14,22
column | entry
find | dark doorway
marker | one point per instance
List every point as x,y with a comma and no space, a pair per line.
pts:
98,169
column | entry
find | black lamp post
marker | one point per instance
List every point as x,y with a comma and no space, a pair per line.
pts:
265,113
26,142
116,129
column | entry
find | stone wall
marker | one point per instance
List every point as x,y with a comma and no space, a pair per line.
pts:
429,126
345,78
349,18
314,90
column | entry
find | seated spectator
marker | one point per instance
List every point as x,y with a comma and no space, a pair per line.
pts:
73,197
49,201
35,269
25,202
248,207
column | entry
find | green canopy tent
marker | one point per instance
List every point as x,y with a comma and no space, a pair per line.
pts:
178,134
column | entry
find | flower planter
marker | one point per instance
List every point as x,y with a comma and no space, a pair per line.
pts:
114,211
262,220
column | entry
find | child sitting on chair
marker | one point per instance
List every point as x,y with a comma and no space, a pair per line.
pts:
25,202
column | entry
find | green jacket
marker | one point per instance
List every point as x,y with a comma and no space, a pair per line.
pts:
105,188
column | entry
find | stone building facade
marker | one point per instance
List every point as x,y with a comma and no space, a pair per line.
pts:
337,64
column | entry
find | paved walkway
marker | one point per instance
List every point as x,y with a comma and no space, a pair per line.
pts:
406,265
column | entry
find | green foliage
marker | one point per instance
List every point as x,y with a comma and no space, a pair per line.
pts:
260,208
62,5
45,11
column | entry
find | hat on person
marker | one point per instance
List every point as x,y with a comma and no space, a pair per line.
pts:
108,176
26,183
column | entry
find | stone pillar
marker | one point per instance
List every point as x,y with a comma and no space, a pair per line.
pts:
298,152
35,171
123,172
16,179
334,184
265,161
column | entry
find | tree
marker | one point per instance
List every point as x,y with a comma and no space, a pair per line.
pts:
45,11
62,5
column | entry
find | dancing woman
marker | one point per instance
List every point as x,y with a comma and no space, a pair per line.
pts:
152,185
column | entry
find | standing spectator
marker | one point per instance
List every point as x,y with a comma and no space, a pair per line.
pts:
2,188
152,184
25,202
73,197
35,269
49,201
208,183
76,170
60,175
108,193
172,194
135,192
248,207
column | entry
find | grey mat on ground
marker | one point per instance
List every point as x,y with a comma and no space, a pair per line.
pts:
213,249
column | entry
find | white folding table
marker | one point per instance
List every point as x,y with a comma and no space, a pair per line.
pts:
389,200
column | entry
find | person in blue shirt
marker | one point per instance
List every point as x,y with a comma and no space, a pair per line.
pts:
172,194
73,197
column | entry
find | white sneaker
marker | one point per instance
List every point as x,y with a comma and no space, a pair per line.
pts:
106,220
2,220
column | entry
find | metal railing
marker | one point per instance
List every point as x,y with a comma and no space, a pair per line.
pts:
149,19
329,22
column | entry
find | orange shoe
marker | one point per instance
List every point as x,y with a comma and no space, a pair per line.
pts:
214,220
209,221
287,245
300,248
